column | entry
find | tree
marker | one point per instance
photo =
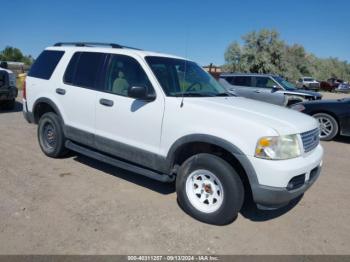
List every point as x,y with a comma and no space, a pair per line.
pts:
265,52
262,52
15,55
233,56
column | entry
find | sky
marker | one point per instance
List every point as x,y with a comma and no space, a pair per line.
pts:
198,30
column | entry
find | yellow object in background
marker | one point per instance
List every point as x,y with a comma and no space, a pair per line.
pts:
20,80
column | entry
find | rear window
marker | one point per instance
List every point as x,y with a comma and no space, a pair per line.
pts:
45,64
83,69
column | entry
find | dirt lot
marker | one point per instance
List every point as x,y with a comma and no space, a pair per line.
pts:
79,206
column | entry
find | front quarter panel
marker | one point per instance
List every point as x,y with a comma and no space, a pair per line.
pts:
189,119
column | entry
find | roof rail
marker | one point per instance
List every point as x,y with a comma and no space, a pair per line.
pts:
91,44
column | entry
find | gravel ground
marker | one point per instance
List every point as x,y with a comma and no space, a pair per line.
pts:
79,206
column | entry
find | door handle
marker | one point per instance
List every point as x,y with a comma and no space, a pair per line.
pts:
106,102
257,91
60,91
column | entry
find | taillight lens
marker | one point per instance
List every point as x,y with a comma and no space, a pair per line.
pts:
24,90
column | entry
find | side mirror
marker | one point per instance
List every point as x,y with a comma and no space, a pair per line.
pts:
140,92
275,89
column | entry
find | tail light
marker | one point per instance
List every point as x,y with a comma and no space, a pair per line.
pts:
24,90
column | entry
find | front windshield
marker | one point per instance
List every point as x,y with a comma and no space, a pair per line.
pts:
184,78
286,85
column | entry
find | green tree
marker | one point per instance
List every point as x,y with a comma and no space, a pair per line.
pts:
262,52
265,52
15,55
233,56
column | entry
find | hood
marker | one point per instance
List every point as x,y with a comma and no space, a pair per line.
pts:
303,92
282,120
326,101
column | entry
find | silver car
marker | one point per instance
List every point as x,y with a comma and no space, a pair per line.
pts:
268,88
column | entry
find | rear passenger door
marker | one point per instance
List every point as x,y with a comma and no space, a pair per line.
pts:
77,95
128,128
240,85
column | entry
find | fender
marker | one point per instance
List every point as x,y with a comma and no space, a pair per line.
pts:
49,102
234,150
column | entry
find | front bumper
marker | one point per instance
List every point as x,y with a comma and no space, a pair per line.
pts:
274,177
268,196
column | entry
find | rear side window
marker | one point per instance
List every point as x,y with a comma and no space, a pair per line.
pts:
83,69
45,64
241,81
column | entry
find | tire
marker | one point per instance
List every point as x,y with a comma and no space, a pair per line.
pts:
328,126
50,136
217,175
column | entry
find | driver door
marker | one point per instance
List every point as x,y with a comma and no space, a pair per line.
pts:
128,128
263,90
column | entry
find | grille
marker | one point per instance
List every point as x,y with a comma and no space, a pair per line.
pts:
310,139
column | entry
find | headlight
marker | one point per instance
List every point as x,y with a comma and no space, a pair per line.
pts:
278,147
298,107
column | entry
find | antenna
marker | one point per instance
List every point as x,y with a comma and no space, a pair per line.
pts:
186,51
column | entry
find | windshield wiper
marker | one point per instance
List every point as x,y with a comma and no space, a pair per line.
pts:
224,94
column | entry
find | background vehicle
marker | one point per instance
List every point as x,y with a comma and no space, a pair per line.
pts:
343,88
332,115
308,83
164,117
331,84
8,89
268,88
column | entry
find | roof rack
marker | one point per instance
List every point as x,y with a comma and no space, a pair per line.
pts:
92,44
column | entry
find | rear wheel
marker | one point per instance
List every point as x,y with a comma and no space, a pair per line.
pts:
328,126
209,189
50,135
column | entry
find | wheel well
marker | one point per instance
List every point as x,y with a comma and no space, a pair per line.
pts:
40,109
193,148
329,113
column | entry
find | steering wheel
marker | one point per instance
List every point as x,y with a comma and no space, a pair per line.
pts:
191,87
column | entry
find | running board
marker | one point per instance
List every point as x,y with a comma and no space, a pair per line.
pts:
118,163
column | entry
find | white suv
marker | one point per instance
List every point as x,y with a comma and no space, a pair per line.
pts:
308,83
164,117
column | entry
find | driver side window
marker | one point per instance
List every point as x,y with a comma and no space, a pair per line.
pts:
124,72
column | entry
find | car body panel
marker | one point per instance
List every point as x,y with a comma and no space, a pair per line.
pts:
261,94
279,95
338,108
147,131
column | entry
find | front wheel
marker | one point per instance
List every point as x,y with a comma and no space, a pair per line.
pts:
209,189
328,126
